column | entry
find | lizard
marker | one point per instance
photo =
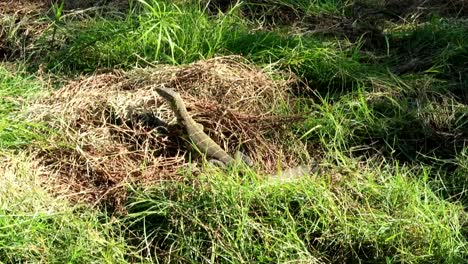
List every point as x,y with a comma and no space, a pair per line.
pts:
204,142
194,130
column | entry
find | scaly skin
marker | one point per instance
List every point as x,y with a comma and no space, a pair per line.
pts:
207,145
194,130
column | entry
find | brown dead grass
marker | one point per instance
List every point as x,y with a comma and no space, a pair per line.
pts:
19,27
28,7
113,126
23,7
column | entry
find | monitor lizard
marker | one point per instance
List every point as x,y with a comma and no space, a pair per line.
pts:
204,142
194,130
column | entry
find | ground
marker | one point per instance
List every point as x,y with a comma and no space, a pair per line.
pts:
371,95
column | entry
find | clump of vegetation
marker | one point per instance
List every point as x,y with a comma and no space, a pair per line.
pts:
37,227
160,32
385,213
372,94
15,88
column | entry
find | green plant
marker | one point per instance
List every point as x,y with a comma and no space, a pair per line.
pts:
374,213
37,227
15,130
58,12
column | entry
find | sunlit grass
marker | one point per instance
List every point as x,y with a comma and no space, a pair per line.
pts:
160,32
36,227
16,88
390,126
377,212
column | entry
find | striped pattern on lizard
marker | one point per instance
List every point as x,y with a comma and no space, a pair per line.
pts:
207,145
194,130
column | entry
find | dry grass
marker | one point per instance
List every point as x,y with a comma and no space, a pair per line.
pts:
23,7
14,187
114,128
19,27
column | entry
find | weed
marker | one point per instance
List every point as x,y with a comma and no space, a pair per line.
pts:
371,213
159,32
36,227
15,89
58,11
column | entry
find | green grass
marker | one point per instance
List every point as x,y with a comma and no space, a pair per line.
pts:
36,227
160,32
375,213
444,41
390,124
16,88
278,13
312,7
408,118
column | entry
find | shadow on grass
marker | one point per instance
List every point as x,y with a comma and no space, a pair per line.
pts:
419,129
166,33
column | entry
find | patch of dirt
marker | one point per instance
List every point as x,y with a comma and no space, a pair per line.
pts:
114,128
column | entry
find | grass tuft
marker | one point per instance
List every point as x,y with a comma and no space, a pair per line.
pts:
160,32
16,88
386,212
36,227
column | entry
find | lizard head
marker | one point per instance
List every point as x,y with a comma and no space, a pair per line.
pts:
167,93
174,100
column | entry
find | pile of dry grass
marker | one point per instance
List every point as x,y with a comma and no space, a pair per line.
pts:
113,127
19,27
23,7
